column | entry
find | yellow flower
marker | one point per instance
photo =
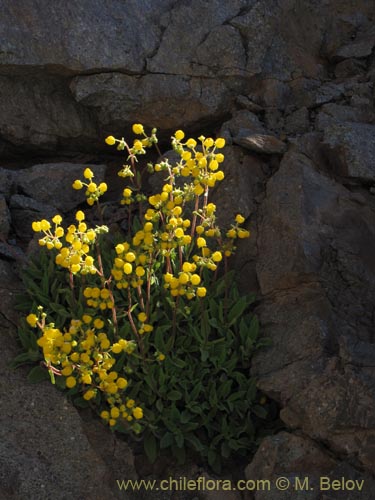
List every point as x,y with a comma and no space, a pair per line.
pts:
142,317
115,412
220,142
217,256
88,173
195,279
121,383
240,219
89,394
32,320
36,225
179,135
130,257
139,271
128,268
45,225
110,140
138,128
77,184
70,382
191,143
161,357
138,413
80,216
201,242
57,219
105,415
201,291
242,233
98,323
116,348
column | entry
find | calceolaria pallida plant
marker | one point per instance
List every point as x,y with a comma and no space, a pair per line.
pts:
147,330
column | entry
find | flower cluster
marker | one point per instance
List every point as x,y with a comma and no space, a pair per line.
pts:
85,357
98,298
74,251
177,239
93,191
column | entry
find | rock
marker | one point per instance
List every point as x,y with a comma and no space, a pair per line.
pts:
349,68
328,92
304,465
4,218
260,143
319,278
40,112
57,191
156,100
210,54
243,121
345,418
244,102
6,182
331,114
297,122
360,46
351,149
80,47
12,252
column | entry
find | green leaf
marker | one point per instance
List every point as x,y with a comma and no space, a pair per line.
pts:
38,374
174,395
20,360
150,447
159,405
237,310
259,411
167,440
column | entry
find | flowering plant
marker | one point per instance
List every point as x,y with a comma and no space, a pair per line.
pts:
147,331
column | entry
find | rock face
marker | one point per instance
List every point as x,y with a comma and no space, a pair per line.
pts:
290,85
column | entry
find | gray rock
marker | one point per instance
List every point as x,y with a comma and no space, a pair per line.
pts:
344,418
6,182
351,148
360,46
154,100
328,92
317,271
349,68
244,102
40,112
4,218
11,252
331,114
51,183
298,459
297,122
88,35
260,143
242,120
